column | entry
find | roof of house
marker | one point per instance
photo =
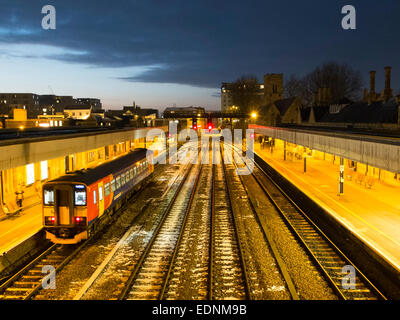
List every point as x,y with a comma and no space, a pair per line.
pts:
320,112
362,112
78,107
305,114
283,105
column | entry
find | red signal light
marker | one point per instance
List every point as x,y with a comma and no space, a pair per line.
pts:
195,127
252,135
80,220
49,220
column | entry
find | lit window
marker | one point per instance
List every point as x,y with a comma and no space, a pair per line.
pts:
123,179
131,173
100,193
112,185
44,174
30,173
94,197
60,123
80,196
48,196
107,189
118,184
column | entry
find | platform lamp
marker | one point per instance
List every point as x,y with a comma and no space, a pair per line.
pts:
341,176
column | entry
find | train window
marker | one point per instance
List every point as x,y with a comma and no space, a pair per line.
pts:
94,197
80,196
48,196
134,171
107,189
100,193
118,184
123,179
131,173
112,185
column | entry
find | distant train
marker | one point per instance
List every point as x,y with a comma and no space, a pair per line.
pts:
74,204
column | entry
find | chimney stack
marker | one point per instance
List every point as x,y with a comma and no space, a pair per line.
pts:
372,94
388,92
388,71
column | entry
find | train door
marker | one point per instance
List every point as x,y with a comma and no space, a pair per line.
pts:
101,198
64,204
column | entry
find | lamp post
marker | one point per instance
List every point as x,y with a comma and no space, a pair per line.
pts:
341,175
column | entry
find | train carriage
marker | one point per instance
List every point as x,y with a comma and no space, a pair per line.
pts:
74,204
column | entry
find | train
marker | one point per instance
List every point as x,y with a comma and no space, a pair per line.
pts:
75,204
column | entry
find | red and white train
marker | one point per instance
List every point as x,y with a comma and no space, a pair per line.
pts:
74,204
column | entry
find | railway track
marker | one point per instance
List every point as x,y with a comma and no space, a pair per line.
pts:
150,276
188,272
255,286
26,283
227,279
331,261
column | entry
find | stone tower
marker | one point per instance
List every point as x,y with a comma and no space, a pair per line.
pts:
388,91
273,87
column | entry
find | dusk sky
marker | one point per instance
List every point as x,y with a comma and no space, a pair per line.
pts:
158,53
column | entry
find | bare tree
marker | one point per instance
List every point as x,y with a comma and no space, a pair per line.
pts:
342,79
296,87
245,93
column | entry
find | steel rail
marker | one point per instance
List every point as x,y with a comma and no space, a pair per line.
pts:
127,288
161,295
341,255
236,229
271,243
341,293
212,234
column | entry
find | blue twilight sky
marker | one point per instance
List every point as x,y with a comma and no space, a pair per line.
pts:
161,52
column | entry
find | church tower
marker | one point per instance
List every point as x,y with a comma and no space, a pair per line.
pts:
273,87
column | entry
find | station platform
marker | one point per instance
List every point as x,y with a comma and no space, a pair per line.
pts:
17,228
370,212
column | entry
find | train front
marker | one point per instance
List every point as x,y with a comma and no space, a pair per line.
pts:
65,212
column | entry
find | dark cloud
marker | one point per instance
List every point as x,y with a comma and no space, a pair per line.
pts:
202,43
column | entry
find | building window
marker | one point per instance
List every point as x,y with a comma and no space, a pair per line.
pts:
44,172
90,156
30,173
